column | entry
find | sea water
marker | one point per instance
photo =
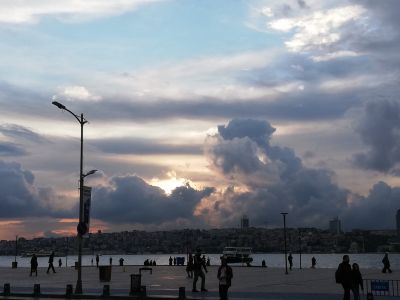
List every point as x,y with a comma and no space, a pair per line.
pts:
275,260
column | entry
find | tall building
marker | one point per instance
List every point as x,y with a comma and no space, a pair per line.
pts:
398,222
335,226
244,222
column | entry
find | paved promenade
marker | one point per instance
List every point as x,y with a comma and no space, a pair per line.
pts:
248,283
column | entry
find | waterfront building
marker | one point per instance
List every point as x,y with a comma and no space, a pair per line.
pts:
244,222
335,226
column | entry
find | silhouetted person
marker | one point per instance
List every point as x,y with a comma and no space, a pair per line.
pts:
386,264
263,264
97,260
344,276
313,262
91,261
208,262
34,264
110,261
174,261
59,263
357,281
290,260
121,261
189,267
154,263
224,276
198,266
170,261
51,260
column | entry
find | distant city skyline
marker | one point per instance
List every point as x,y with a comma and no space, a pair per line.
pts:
199,112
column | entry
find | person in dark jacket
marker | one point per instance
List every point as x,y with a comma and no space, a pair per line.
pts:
224,276
357,281
189,267
386,264
290,260
198,266
313,262
34,264
97,260
51,260
344,276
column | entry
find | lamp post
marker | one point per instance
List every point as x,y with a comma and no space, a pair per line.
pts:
300,246
82,121
284,238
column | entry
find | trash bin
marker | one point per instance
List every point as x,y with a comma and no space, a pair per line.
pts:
14,264
136,282
105,273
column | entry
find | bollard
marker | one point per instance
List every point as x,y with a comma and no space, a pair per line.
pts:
106,290
6,289
69,291
36,290
182,293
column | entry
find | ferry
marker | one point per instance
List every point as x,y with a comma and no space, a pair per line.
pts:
237,255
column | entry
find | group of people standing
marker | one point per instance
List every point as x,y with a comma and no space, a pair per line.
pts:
196,265
349,276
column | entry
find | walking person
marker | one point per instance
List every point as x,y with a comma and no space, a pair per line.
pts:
198,266
343,275
386,264
224,276
34,264
97,260
189,267
110,261
51,260
290,260
357,281
59,263
313,262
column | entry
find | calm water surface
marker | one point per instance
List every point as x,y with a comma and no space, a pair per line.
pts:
367,261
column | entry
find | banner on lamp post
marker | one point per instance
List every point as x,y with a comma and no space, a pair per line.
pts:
87,201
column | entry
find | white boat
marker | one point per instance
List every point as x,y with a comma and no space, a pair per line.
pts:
237,255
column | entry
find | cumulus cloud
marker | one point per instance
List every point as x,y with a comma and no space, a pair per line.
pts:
77,92
274,177
26,11
20,197
311,196
129,199
379,129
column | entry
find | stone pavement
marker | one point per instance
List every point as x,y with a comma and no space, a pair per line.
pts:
248,282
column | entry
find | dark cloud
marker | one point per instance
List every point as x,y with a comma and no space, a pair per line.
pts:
20,198
130,199
310,196
379,129
11,149
143,146
20,132
376,210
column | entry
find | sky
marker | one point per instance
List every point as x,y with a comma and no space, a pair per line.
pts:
199,112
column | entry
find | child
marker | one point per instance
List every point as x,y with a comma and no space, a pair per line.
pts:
357,281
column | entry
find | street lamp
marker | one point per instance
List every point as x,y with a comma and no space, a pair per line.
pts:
284,237
82,121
